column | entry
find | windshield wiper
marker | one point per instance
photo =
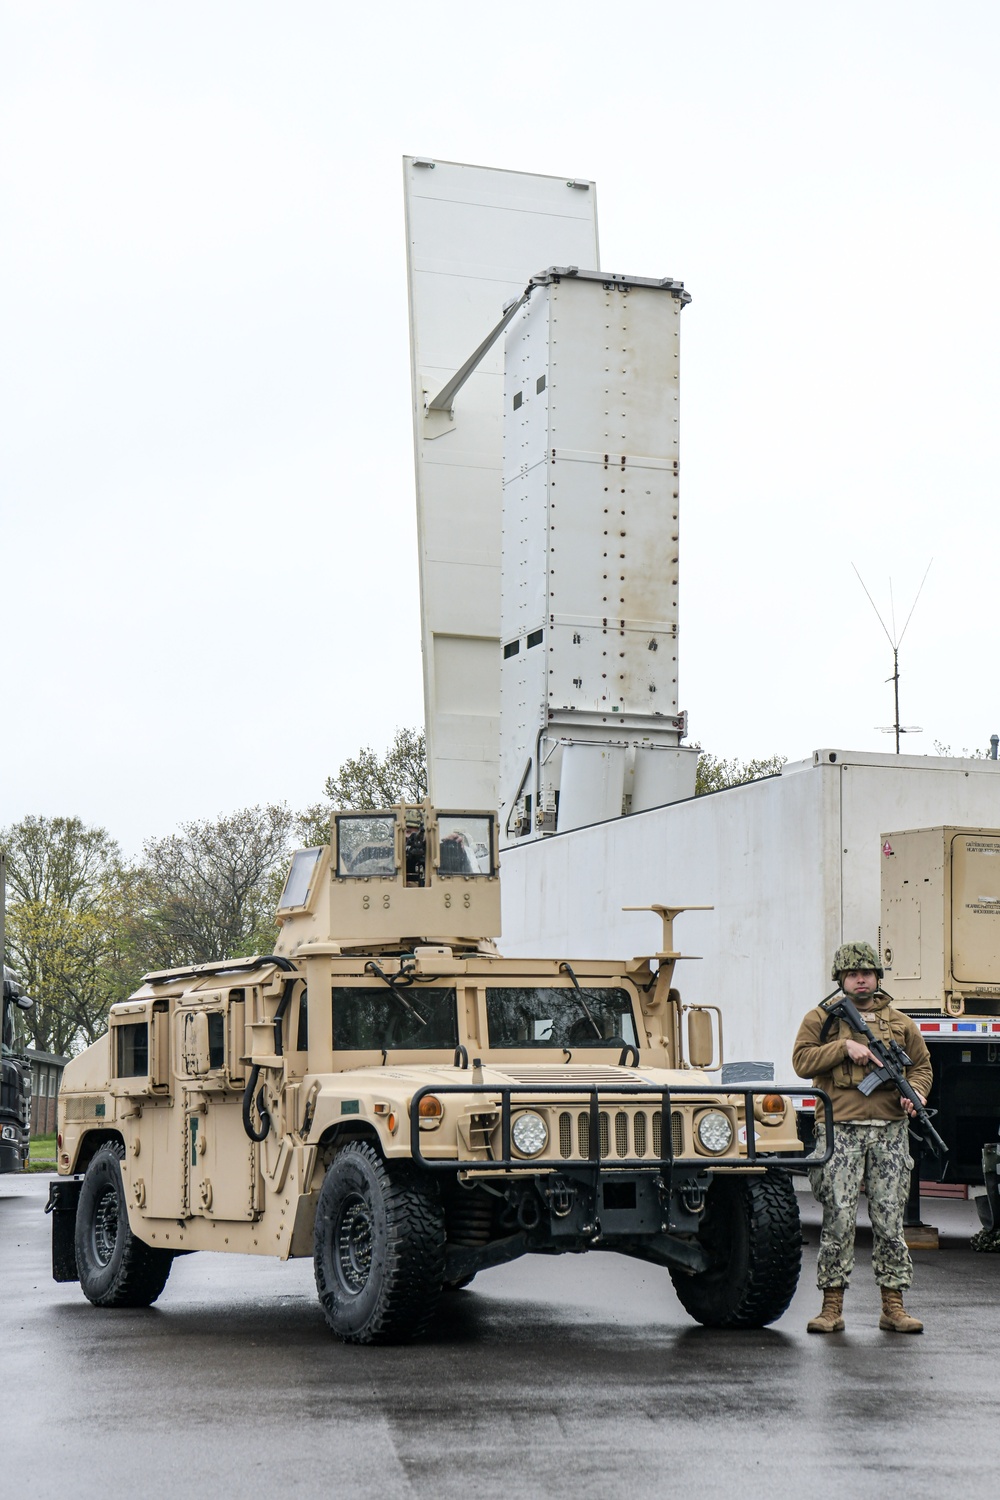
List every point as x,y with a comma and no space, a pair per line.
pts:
394,981
565,969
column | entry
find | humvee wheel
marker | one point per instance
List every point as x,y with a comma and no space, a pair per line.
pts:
753,1237
379,1248
116,1269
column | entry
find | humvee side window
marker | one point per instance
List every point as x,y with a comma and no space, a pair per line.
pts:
302,1031
557,1017
366,846
132,1055
296,891
366,1020
465,844
216,1039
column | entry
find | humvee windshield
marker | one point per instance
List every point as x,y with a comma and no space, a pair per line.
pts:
559,1017
366,846
366,1020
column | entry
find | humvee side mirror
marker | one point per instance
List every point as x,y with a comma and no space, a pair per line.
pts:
196,1053
701,1042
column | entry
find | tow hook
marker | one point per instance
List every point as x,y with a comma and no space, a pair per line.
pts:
560,1196
693,1198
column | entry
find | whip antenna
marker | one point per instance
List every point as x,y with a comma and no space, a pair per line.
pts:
895,642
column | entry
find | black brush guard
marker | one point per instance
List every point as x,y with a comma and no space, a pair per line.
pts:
606,1095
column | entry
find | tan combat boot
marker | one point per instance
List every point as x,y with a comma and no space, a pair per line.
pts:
830,1319
895,1318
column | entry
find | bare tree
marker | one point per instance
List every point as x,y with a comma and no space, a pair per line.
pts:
209,890
368,780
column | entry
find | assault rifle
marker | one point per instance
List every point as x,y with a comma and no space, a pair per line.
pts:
891,1062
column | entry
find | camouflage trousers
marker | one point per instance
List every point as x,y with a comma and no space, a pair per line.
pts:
879,1156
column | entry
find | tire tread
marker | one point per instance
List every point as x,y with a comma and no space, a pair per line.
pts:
143,1270
773,1239
413,1272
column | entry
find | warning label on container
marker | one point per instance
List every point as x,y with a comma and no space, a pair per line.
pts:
979,846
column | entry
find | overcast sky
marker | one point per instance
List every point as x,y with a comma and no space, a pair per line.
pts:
208,547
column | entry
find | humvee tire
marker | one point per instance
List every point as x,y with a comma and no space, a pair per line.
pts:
378,1248
752,1233
116,1269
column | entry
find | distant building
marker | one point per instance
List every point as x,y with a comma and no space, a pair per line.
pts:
46,1071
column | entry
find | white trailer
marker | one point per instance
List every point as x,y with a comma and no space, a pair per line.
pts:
790,866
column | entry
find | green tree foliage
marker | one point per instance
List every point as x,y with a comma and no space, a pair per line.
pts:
71,905
714,772
369,780
210,890
83,926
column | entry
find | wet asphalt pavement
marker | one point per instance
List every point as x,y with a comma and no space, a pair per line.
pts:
570,1376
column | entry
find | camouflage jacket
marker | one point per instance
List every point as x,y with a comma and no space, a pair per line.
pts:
827,1064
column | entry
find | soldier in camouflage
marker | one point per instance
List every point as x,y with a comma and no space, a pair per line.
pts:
870,1142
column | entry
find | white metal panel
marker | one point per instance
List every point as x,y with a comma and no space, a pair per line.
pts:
660,775
592,784
791,865
475,236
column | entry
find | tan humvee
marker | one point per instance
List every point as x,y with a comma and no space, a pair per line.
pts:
387,1094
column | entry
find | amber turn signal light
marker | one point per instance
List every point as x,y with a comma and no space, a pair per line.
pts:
430,1107
770,1108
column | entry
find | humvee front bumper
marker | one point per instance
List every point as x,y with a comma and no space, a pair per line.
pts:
600,1099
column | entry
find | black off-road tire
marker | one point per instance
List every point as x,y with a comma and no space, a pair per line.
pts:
379,1248
753,1235
116,1268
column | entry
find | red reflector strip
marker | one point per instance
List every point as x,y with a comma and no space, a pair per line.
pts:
930,1025
807,1104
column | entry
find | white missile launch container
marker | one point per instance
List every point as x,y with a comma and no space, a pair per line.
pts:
589,722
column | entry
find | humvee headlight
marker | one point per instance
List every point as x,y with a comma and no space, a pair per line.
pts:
530,1132
714,1132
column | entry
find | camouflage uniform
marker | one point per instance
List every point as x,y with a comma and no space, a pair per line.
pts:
878,1155
871,1138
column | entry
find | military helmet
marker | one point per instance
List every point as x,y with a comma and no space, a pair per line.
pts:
855,956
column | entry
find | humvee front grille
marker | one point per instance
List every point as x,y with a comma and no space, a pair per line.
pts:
676,1133
631,1134
639,1128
